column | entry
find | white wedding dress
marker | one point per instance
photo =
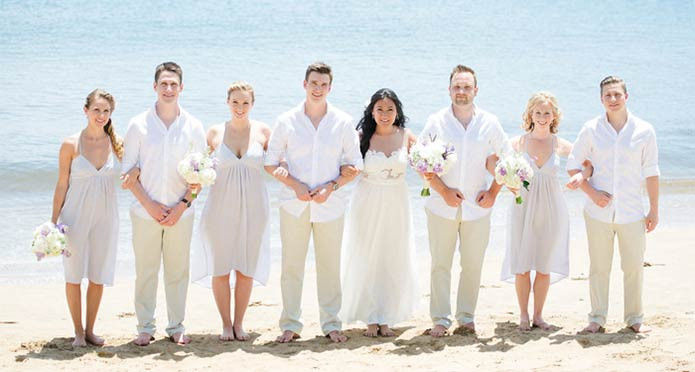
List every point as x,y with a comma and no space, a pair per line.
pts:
378,265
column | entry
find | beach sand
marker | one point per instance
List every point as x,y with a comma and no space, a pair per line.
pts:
35,330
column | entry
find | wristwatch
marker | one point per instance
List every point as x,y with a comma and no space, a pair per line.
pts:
335,185
187,202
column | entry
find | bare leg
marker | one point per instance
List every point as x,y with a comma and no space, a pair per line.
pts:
242,294
540,293
94,292
222,293
523,290
385,331
372,330
73,294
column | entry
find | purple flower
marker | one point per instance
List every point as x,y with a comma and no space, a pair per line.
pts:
422,166
438,168
503,171
61,227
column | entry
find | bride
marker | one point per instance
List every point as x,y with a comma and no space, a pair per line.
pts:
378,273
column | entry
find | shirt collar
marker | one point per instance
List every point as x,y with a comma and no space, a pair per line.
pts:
158,120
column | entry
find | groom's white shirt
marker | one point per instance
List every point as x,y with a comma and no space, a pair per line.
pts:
314,157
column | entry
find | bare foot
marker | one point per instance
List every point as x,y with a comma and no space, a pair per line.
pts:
385,331
143,339
465,329
180,338
593,327
540,323
93,339
337,336
240,335
437,331
372,330
287,336
227,333
524,323
79,341
640,328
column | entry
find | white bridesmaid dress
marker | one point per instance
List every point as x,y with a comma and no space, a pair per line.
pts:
234,224
538,229
90,212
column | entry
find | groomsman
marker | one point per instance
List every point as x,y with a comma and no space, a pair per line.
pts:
460,207
314,139
162,218
623,151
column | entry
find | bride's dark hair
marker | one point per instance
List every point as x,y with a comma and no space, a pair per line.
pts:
368,125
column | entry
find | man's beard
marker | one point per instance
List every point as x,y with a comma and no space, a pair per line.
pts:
462,101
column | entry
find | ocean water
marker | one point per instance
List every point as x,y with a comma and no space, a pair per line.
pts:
52,53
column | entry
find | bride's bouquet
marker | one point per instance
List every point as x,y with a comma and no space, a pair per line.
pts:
515,172
198,168
49,240
431,156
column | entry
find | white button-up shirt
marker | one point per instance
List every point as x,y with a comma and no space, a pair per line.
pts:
473,145
621,160
314,157
157,150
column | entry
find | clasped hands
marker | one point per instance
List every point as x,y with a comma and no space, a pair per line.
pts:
453,197
164,215
318,194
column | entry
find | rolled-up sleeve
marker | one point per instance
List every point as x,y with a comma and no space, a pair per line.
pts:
199,138
277,144
131,147
351,147
650,157
429,131
498,139
580,150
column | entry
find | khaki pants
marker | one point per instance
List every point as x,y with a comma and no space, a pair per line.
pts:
632,243
328,237
473,237
153,243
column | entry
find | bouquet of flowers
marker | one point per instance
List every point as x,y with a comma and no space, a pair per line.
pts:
49,240
198,168
514,171
431,156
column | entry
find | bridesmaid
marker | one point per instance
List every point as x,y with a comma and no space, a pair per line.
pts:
85,201
234,223
379,277
538,234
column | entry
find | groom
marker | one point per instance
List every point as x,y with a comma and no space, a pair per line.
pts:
460,207
623,151
162,218
314,139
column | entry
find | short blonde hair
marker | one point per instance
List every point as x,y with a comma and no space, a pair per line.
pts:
537,98
242,86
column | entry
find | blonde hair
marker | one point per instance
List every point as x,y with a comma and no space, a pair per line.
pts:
538,98
242,86
116,141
